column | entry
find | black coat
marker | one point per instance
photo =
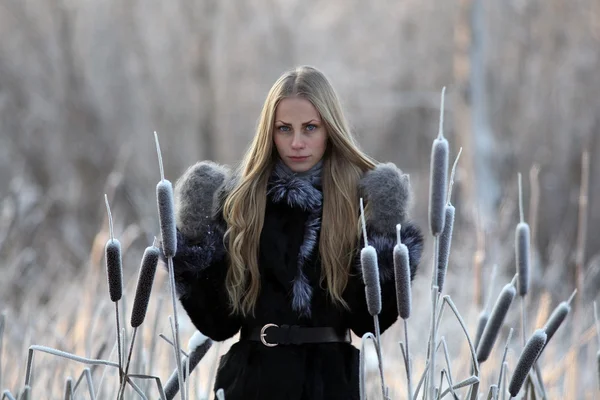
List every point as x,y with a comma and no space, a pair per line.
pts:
251,370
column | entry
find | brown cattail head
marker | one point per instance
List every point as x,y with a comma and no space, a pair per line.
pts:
484,316
370,273
522,238
114,269
166,214
437,185
402,275
144,285
444,245
528,356
492,328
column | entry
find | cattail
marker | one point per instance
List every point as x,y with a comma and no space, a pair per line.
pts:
370,272
522,255
438,177
166,208
402,275
526,360
114,269
444,246
522,239
484,316
166,214
144,285
198,346
557,317
492,328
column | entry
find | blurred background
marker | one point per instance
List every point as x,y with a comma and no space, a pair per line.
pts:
83,85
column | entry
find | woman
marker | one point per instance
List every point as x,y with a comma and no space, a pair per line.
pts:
273,250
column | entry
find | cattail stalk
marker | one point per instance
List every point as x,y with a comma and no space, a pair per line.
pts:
492,328
527,358
502,370
114,271
164,193
438,177
446,236
493,392
484,316
444,246
198,346
142,297
522,250
437,201
403,296
370,273
69,389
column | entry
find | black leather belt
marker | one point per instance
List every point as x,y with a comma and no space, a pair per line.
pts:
272,335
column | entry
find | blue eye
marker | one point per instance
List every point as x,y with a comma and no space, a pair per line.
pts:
311,127
284,128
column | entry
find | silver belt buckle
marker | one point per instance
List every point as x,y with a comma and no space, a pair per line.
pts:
263,335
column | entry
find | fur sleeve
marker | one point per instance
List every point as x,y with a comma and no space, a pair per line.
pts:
200,264
387,194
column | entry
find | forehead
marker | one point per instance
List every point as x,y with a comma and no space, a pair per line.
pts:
295,108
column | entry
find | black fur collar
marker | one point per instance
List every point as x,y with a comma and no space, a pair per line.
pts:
298,191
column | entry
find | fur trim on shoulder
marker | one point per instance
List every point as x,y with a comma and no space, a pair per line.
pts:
386,189
196,193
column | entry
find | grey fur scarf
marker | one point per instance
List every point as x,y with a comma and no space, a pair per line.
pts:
303,191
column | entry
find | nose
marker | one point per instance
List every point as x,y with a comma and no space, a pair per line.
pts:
297,142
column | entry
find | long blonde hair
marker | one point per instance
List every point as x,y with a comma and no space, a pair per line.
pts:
244,208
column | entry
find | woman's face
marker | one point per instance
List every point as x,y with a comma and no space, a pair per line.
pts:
299,134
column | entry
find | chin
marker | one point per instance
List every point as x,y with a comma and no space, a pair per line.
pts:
299,168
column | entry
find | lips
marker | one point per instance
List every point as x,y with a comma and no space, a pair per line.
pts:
298,158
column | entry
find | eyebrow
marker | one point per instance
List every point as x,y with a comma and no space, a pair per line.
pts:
305,123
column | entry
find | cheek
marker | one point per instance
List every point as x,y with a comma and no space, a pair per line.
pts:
279,142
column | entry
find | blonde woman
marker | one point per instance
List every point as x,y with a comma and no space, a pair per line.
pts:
272,250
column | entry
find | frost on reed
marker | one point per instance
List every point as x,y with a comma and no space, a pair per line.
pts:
114,272
522,239
166,213
446,236
144,285
370,275
438,178
403,298
528,356
522,245
557,317
198,346
492,328
402,277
